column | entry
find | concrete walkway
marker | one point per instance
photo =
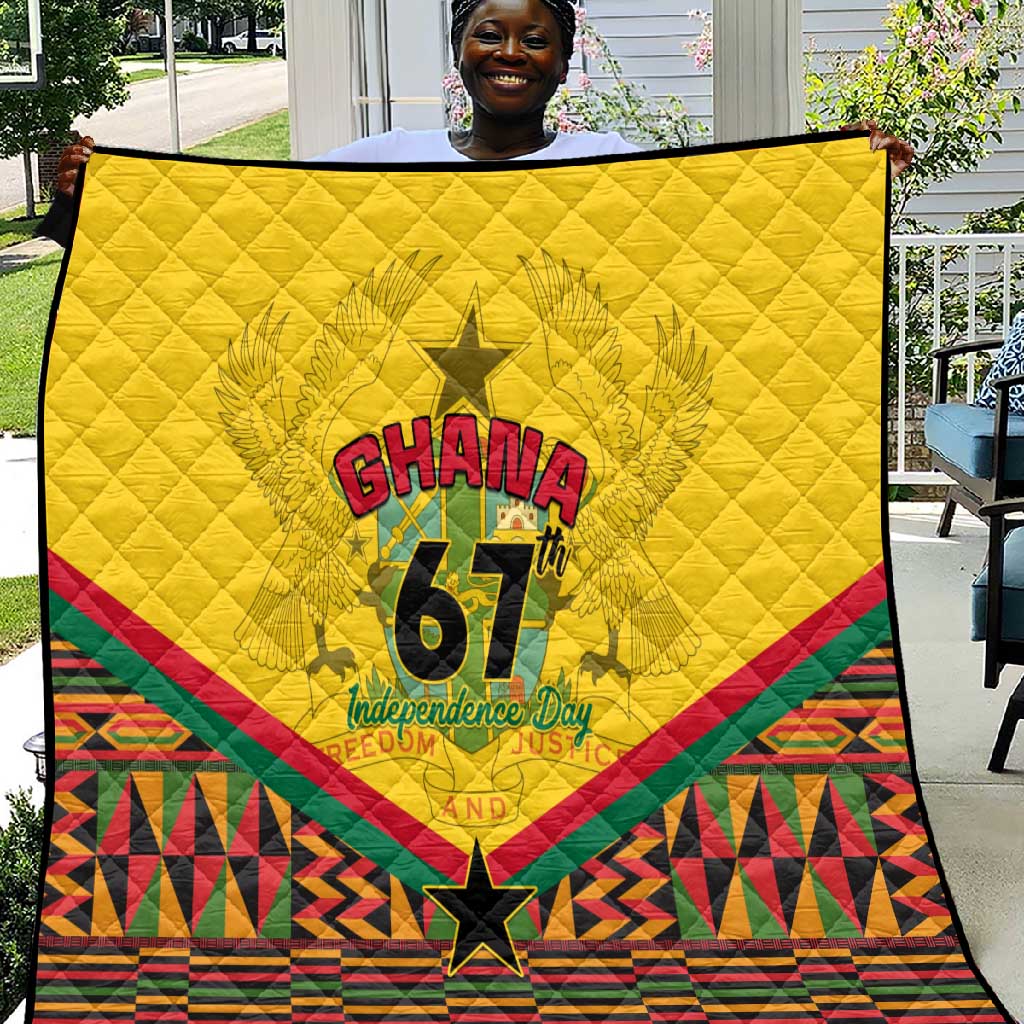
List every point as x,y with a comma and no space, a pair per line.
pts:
21,686
12,257
21,680
18,551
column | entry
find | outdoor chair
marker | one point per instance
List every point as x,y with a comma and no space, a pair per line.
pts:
998,591
1002,605
982,450
962,440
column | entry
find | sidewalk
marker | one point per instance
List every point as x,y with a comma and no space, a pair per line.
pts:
15,256
21,680
19,555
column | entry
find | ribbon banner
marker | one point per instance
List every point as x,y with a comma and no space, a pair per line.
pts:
467,599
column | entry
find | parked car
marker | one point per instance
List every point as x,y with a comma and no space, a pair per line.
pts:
265,40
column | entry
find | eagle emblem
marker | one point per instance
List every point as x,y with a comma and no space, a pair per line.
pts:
311,578
637,473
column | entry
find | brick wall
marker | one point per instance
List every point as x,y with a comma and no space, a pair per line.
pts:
49,157
918,457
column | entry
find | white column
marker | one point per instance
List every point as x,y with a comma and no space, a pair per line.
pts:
758,69
319,76
417,60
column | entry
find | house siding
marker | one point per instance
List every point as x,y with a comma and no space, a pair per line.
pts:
652,50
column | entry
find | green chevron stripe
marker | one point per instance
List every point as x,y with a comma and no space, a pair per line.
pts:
223,735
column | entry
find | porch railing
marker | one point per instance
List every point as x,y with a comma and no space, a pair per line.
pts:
987,263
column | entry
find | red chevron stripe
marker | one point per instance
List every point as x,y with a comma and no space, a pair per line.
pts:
552,827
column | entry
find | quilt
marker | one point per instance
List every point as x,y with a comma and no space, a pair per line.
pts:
467,599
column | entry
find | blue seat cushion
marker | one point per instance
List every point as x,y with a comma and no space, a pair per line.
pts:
963,435
1013,591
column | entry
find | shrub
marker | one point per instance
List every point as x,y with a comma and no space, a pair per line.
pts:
21,854
192,43
936,84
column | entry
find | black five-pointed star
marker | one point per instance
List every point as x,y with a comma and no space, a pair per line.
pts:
481,911
356,543
467,365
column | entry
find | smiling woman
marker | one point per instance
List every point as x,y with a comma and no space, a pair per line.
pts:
512,56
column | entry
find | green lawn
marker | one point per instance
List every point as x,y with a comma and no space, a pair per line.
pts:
19,615
16,227
266,139
210,58
146,74
25,298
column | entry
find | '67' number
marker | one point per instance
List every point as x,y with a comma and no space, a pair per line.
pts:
419,599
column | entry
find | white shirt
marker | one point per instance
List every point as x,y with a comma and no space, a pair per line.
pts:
404,147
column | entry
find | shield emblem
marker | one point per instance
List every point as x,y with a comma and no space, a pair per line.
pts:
462,517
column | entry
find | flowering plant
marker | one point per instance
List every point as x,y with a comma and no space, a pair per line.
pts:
620,105
937,85
702,50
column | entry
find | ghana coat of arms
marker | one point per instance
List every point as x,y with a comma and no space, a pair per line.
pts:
462,574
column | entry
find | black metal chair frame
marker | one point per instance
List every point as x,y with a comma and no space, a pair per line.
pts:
992,500
968,491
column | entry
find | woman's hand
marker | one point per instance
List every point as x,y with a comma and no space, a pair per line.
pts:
70,160
901,153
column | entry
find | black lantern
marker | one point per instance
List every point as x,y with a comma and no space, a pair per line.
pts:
37,747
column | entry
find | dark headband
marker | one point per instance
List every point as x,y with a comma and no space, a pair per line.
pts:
563,10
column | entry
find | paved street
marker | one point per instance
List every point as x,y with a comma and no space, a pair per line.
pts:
211,102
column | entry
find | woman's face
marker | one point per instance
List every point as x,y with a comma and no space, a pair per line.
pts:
511,60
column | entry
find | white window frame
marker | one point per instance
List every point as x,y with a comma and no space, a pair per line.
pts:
36,77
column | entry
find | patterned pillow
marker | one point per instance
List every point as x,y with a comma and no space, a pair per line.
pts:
1009,361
